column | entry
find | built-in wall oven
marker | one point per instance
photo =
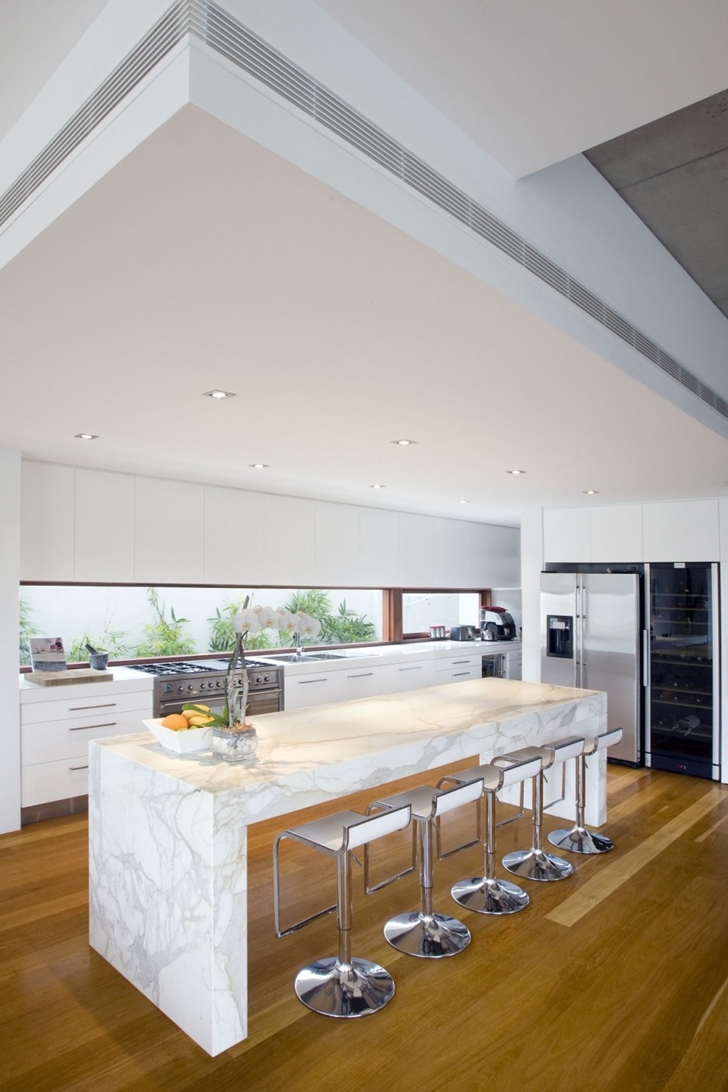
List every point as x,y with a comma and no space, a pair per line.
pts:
494,665
179,682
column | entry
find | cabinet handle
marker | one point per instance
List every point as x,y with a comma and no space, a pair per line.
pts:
362,675
88,727
80,708
456,673
74,768
415,667
454,662
307,682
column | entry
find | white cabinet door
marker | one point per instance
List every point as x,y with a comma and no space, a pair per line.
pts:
304,690
415,550
681,531
169,532
337,545
104,539
616,533
49,781
234,536
406,676
289,542
514,665
358,682
379,552
566,534
47,522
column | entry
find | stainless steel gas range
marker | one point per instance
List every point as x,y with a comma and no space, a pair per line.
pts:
180,681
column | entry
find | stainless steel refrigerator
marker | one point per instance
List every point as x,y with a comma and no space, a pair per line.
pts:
591,639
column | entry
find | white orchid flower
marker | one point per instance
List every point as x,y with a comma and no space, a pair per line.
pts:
246,621
267,618
285,622
310,627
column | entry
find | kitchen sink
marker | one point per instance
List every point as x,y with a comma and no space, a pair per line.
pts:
304,657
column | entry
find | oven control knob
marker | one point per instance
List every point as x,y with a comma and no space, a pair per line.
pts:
181,689
219,682
168,688
190,686
266,678
203,686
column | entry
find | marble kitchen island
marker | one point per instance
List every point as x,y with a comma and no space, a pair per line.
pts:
168,833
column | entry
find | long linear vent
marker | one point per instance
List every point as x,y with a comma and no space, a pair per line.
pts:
209,22
163,36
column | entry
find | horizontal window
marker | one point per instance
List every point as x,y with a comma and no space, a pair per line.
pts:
423,609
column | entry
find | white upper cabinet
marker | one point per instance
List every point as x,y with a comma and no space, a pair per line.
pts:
616,533
290,529
681,531
723,521
566,534
379,539
337,545
234,536
416,550
47,522
169,532
104,540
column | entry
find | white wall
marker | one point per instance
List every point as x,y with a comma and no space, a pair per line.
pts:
9,568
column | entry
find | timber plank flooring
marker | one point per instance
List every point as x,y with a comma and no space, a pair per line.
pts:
615,980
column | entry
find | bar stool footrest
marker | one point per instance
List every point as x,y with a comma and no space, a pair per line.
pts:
490,896
581,840
535,864
435,936
344,990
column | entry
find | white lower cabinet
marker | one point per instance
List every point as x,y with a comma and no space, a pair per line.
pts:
55,735
304,690
394,678
514,662
458,669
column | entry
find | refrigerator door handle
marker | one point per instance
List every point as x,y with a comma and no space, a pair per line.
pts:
645,658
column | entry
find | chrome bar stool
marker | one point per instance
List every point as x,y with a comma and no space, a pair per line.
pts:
535,863
340,985
424,933
579,839
486,894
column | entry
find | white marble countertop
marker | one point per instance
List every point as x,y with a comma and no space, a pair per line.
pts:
300,751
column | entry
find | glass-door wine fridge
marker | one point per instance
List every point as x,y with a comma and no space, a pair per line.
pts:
683,677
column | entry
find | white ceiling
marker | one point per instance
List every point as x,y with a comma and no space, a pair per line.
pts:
205,261
536,81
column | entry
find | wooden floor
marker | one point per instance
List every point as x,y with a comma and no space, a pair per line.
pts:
613,980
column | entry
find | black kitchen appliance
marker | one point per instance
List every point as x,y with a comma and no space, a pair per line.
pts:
496,624
463,633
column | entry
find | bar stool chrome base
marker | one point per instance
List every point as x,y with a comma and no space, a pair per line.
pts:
581,840
429,936
490,896
344,990
535,864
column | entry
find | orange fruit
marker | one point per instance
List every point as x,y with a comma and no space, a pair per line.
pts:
176,722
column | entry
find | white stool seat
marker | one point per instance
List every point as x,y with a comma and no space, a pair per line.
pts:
578,839
340,986
424,933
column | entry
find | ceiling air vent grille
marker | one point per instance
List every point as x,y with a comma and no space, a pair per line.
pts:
163,36
223,33
244,48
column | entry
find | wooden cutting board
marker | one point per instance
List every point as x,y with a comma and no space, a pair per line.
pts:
66,678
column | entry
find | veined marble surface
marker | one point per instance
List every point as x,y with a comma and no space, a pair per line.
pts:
168,832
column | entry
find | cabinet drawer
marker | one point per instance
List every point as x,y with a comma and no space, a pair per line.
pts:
459,663
48,781
308,690
362,683
106,704
408,676
457,674
58,740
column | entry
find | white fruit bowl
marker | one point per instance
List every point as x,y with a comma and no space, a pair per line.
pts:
181,743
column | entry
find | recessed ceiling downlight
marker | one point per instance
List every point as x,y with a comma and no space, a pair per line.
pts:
377,486
591,492
218,394
259,466
85,436
464,502
404,443
515,472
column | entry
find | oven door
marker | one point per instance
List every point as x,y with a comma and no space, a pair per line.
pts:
259,702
